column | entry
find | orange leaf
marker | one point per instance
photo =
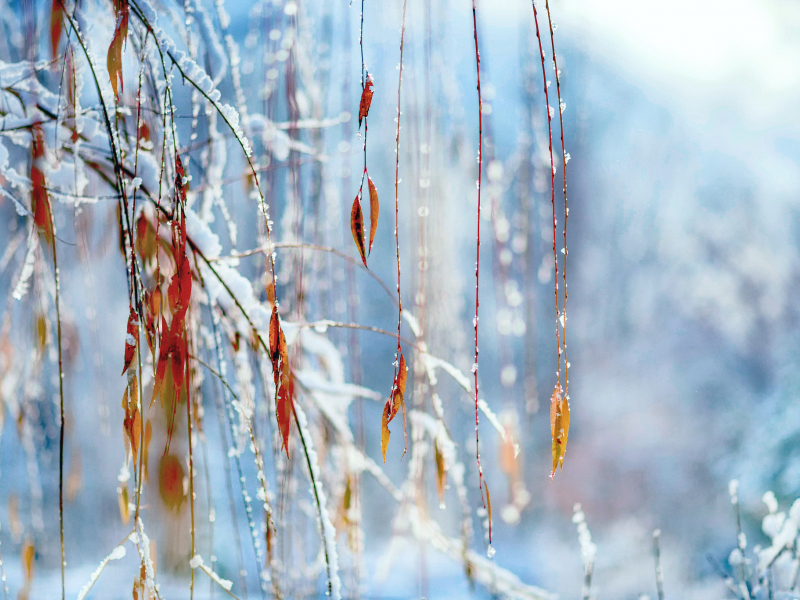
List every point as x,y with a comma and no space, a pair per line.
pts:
148,434
114,59
402,375
274,333
395,402
170,481
131,338
357,228
56,19
27,554
385,433
488,508
374,210
284,410
366,100
559,427
441,473
133,427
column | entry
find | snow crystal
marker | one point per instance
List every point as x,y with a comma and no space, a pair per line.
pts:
116,554
23,283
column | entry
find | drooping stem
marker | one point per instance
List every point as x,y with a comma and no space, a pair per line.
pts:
478,256
552,184
61,407
566,209
397,195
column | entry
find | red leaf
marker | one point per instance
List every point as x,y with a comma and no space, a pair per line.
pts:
56,20
40,201
284,410
366,100
284,384
180,174
374,210
114,59
357,228
131,337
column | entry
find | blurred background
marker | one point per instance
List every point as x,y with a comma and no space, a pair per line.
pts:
682,126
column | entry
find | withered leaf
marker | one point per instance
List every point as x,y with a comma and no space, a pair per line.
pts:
131,338
56,19
385,433
40,200
393,405
27,555
357,229
148,434
441,473
366,100
488,508
284,384
374,211
170,481
114,58
559,427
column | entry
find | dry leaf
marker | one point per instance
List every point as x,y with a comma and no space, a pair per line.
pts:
131,338
148,434
124,504
27,556
114,59
284,383
441,473
374,210
170,481
366,100
488,508
40,201
357,228
56,20
393,405
559,427
385,433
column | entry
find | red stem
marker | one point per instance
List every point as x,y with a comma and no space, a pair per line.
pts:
478,255
552,184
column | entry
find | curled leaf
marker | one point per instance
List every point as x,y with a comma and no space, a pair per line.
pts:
284,384
114,58
374,210
366,100
385,433
357,228
131,338
40,201
394,404
559,427
488,508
